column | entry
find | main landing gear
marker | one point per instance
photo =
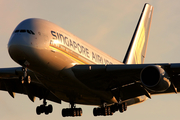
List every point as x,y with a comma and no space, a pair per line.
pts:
72,112
104,111
26,80
122,107
44,109
109,110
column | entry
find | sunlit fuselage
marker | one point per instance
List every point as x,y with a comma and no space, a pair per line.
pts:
50,52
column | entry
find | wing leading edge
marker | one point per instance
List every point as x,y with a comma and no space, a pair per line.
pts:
10,82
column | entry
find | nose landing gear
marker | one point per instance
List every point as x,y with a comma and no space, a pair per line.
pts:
25,78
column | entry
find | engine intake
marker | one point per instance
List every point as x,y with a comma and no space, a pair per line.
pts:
155,78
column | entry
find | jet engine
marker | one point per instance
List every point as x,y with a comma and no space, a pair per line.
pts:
155,78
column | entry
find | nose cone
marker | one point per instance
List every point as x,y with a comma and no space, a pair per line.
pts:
21,40
25,41
17,47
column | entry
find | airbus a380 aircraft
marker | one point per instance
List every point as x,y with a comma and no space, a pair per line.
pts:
58,66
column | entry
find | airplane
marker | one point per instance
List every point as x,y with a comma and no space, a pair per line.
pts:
58,66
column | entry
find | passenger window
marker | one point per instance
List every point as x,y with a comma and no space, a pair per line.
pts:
28,31
22,30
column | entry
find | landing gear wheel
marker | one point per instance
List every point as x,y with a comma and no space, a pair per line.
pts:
50,108
64,112
125,106
44,109
109,112
29,79
102,111
121,108
77,112
80,111
71,112
21,79
95,112
38,110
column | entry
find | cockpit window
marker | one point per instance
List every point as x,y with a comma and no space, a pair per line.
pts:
28,32
24,31
16,31
32,32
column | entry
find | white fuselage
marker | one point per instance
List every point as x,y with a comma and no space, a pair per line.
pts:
49,51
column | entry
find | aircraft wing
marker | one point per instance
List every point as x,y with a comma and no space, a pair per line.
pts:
10,81
125,80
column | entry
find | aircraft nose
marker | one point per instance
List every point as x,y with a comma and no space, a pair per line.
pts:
17,47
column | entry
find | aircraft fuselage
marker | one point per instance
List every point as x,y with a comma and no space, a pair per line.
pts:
50,51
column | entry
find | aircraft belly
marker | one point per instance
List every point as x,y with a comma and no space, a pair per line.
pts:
51,68
68,90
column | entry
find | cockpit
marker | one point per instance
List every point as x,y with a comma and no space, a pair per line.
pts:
24,31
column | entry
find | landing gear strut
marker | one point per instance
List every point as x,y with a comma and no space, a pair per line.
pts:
72,112
44,109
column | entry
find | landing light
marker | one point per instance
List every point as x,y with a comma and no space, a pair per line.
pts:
74,64
55,41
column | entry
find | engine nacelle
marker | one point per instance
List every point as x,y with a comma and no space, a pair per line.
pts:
155,78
